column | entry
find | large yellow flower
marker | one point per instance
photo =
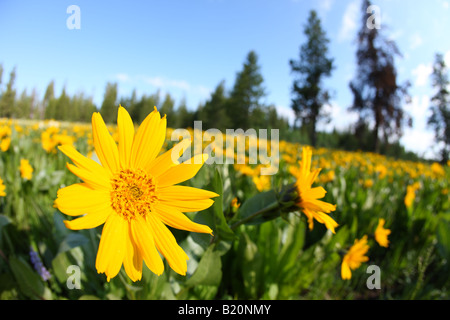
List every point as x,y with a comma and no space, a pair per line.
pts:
133,193
354,257
308,197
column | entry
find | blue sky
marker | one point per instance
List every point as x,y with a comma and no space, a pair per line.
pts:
187,47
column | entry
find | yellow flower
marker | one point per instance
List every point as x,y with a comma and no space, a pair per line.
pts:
235,204
368,183
47,141
308,197
2,189
133,193
4,145
411,194
437,169
381,234
26,170
381,170
354,257
262,183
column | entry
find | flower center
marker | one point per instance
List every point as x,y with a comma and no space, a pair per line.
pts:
133,192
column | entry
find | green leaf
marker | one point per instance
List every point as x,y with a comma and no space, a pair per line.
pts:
444,238
213,216
88,297
30,283
258,203
71,241
209,270
4,220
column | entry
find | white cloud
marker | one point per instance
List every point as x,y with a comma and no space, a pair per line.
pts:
419,141
349,22
422,73
341,118
164,83
286,113
179,89
447,58
419,138
418,109
122,77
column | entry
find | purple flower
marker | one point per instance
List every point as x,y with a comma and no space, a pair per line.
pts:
38,265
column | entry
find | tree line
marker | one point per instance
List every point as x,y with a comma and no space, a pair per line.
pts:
378,98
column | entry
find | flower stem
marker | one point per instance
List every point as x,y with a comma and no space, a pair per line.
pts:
270,207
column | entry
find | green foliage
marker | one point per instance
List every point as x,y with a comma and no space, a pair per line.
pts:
310,70
377,95
439,119
108,108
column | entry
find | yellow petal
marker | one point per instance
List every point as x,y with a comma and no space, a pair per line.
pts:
79,199
168,159
132,261
90,220
189,205
316,193
111,249
149,140
346,273
183,171
184,193
83,162
167,245
326,220
125,129
176,219
105,147
94,180
144,240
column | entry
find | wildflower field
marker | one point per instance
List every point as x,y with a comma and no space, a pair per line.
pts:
362,227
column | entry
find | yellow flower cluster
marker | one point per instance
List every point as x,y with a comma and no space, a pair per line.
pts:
5,137
52,137
411,194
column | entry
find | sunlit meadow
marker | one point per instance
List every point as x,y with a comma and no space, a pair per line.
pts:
271,237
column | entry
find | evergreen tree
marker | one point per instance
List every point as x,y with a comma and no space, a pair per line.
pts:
23,106
377,96
214,112
62,106
145,106
183,117
310,70
167,109
130,103
246,93
8,97
439,119
48,97
109,105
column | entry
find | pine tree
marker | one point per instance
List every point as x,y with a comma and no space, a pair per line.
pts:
62,106
8,97
214,113
167,109
109,106
246,93
310,70
145,106
439,119
49,96
377,97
